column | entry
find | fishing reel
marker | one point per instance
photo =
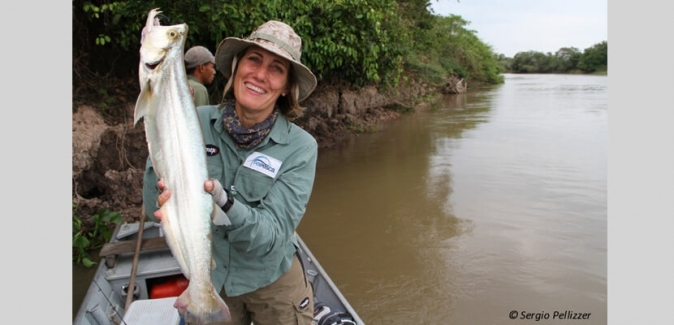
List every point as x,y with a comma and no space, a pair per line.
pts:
136,291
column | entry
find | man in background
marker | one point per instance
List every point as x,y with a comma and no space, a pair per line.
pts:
200,68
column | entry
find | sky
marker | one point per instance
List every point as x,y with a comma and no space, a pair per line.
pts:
514,26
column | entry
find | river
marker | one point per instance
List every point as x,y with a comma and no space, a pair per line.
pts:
486,206
482,208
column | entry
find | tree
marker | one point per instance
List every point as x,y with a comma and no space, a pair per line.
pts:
567,59
458,51
353,40
529,62
594,58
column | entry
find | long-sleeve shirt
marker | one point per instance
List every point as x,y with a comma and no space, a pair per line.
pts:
271,184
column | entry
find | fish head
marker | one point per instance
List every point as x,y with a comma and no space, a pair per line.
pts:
160,46
161,50
162,42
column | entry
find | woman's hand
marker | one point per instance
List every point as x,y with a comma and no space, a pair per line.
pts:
214,188
164,195
211,186
220,198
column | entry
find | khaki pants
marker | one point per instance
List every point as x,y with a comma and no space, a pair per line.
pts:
287,301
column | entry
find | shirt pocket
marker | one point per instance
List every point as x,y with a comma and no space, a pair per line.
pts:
253,186
215,167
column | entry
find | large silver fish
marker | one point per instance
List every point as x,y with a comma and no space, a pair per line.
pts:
178,154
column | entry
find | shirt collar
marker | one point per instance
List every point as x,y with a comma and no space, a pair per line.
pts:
191,77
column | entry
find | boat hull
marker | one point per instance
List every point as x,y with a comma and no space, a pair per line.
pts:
156,273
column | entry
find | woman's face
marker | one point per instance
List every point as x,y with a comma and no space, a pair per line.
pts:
260,79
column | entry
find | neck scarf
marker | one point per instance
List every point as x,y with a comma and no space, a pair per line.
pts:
246,137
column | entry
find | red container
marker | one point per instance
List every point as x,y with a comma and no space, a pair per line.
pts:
173,287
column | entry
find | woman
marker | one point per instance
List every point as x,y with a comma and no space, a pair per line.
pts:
262,169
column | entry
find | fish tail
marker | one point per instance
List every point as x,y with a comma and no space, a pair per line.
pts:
223,314
216,312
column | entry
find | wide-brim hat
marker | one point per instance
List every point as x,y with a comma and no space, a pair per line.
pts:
273,36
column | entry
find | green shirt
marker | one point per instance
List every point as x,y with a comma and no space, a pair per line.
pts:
270,200
200,91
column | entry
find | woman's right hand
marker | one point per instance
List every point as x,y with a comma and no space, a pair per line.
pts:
164,195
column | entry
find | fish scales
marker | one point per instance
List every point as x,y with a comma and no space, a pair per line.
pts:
177,152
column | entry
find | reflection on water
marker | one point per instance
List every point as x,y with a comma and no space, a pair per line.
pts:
488,202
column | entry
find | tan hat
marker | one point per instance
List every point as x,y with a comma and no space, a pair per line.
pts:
198,55
273,36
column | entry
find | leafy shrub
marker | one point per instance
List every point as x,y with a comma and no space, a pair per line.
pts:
350,39
88,237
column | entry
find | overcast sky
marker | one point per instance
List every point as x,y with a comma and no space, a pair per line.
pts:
512,26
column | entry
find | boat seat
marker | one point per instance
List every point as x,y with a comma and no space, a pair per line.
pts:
128,246
152,312
109,251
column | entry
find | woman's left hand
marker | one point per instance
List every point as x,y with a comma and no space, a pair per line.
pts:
214,188
164,195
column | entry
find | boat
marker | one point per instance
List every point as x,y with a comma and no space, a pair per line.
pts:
137,256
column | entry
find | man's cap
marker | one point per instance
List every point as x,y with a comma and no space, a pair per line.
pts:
198,55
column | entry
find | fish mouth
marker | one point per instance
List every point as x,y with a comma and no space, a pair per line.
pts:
153,66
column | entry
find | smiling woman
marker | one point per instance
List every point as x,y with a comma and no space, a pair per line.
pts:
278,61
262,169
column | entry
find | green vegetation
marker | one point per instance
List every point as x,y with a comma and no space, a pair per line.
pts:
88,236
374,42
361,128
566,60
448,48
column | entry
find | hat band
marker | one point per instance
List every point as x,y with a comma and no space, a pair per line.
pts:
277,42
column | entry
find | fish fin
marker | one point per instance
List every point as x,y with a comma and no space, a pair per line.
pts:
213,311
219,217
149,22
142,103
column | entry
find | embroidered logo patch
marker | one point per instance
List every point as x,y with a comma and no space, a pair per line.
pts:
212,150
262,163
304,303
